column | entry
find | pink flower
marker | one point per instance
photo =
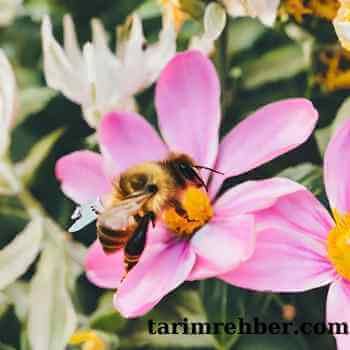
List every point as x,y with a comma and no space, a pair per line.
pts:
188,106
300,246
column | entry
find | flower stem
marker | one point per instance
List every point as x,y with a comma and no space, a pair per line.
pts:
222,65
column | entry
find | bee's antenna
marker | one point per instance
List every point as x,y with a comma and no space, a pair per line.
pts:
210,169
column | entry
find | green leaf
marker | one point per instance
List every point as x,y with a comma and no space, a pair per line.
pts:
281,63
322,138
343,114
76,253
243,34
179,305
195,8
24,341
106,318
36,9
4,304
6,347
17,256
52,318
149,9
307,174
17,294
33,100
27,168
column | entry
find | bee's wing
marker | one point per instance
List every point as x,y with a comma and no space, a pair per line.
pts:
85,214
118,217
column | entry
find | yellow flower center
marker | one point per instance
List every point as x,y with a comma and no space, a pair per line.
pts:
196,211
89,340
326,9
338,244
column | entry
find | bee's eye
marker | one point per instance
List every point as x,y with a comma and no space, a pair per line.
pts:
186,171
184,167
152,188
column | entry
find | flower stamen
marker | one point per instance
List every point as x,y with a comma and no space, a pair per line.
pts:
196,211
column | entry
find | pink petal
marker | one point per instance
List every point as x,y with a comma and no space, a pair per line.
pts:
337,169
270,132
188,105
105,271
153,277
159,234
127,139
251,196
290,254
82,176
338,310
222,245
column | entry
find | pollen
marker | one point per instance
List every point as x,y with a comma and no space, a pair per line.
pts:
338,244
197,211
88,339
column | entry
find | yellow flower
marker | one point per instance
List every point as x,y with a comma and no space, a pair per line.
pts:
296,8
326,9
89,340
336,77
178,15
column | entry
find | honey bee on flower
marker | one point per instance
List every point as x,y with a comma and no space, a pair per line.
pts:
194,234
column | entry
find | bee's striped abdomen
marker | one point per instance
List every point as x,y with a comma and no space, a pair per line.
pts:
111,240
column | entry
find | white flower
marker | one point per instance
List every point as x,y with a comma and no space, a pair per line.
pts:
95,77
8,102
342,23
265,10
8,11
214,24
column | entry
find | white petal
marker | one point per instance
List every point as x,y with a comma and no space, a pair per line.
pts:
99,35
8,100
342,24
18,255
9,10
214,24
71,45
265,10
156,56
61,73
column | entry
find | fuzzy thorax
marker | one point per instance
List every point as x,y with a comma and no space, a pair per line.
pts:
197,211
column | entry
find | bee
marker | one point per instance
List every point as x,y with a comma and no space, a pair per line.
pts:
139,196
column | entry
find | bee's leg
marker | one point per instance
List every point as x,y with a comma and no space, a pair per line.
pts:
136,243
